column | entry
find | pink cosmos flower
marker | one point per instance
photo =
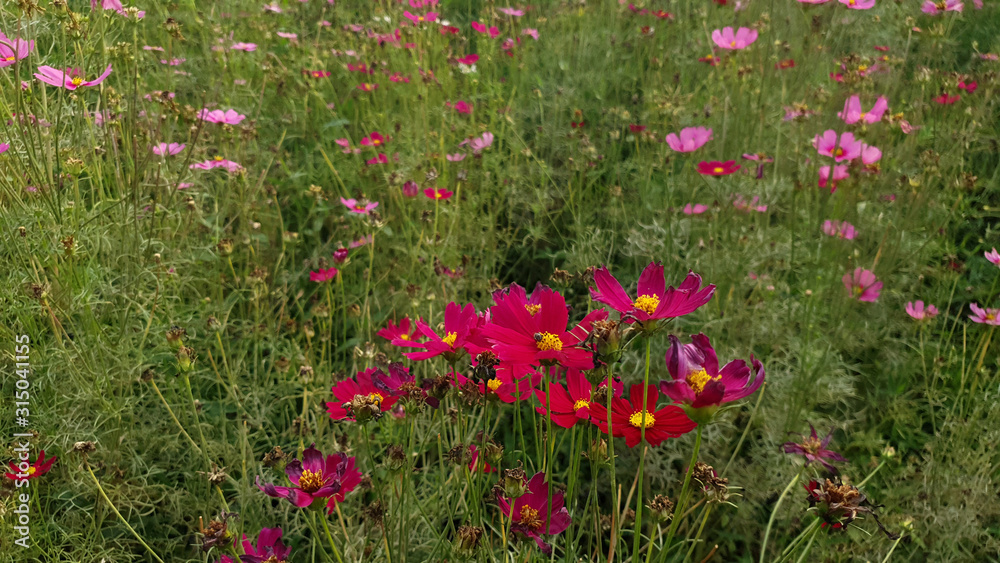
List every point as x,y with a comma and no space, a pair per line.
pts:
374,140
371,384
969,87
858,4
655,300
457,157
4,147
70,79
727,39
742,204
360,207
839,229
512,12
690,139
247,47
312,478
946,99
380,159
163,149
530,32
815,450
463,107
862,285
293,37
172,62
716,168
323,275
848,148
13,50
367,87
853,113
935,8
814,1
418,19
918,312
228,117
493,32
217,162
695,209
984,316
106,4
438,193
479,144
993,256
870,156
468,59
273,7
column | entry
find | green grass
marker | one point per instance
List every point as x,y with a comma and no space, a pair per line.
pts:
103,255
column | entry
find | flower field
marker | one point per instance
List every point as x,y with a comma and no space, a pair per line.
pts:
478,280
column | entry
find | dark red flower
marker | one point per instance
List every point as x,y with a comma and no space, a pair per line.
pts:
312,478
532,514
946,100
697,381
368,390
461,324
716,168
814,449
393,332
628,418
40,467
571,404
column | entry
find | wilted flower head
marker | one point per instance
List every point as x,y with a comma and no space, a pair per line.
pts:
838,504
814,449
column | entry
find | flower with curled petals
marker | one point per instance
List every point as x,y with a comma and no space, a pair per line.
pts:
313,477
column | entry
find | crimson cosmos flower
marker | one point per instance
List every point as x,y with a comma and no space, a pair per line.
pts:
698,383
533,332
716,168
393,332
655,300
628,419
269,549
40,467
313,477
510,383
530,513
461,324
571,404
348,482
368,384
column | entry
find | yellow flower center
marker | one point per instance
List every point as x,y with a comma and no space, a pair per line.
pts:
421,18
812,445
32,470
377,397
647,303
548,341
494,384
438,195
732,44
863,114
717,170
697,380
529,518
218,159
862,68
991,317
8,59
311,482
376,142
838,152
404,336
858,290
581,404
532,309
77,81
449,339
642,419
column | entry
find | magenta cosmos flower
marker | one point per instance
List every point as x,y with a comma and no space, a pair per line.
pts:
106,4
939,7
984,316
13,50
376,139
993,256
853,112
70,79
839,229
531,515
690,139
716,168
698,383
438,193
695,209
461,326
312,478
654,300
269,548
814,449
401,332
228,117
163,149
839,173
371,385
846,148
629,418
418,19
534,331
217,162
858,4
919,312
862,285
323,275
360,207
725,38
571,404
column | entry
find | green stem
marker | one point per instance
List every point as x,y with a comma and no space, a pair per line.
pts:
119,514
637,533
329,536
891,549
682,498
774,512
174,417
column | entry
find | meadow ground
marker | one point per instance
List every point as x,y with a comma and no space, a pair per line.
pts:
235,229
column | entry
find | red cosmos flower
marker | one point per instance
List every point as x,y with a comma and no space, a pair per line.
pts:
710,59
663,15
787,63
946,100
367,385
576,125
468,59
531,514
569,408
533,332
698,383
716,168
40,467
438,193
316,73
655,301
400,332
969,87
510,383
446,29
461,324
380,159
628,418
474,464
348,482
367,87
374,140
323,275
636,128
313,477
360,67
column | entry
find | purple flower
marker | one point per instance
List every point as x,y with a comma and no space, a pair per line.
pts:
269,548
814,449
312,478
530,512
